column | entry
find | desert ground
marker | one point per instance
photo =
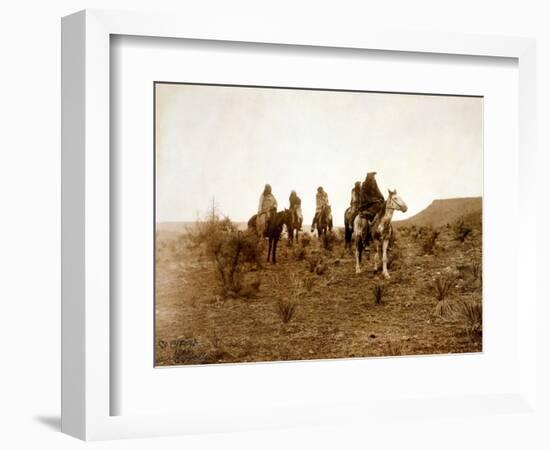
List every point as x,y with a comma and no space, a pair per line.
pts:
312,305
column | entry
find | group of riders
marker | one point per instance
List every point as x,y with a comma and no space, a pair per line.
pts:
366,199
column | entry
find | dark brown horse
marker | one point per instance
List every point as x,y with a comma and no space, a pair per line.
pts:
273,231
293,226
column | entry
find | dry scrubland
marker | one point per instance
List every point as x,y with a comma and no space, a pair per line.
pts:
217,301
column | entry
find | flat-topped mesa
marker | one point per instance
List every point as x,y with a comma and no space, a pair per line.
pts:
443,211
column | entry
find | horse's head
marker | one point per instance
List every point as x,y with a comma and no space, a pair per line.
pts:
396,202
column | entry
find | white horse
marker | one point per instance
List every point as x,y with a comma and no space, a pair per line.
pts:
380,229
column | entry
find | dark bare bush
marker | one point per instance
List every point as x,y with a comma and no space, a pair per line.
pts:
429,242
462,231
329,240
305,240
378,294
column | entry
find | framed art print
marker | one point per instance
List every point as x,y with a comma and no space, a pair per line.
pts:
267,198
267,228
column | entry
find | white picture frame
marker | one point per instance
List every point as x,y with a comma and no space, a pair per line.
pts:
86,326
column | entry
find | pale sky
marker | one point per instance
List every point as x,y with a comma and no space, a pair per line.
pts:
228,142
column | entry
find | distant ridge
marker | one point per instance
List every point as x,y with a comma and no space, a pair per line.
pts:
449,210
180,227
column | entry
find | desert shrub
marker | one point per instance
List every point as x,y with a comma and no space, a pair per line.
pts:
471,275
230,252
285,310
316,264
445,309
321,268
338,235
305,240
476,270
300,252
309,282
471,313
430,240
329,239
393,348
462,231
378,293
394,256
202,232
311,262
250,290
230,249
442,286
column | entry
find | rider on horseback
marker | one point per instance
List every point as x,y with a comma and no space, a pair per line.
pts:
371,201
296,207
355,200
321,200
267,205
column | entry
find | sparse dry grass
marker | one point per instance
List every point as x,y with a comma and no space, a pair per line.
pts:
322,301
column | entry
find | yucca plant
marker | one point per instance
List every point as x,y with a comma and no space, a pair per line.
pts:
442,287
471,312
286,310
476,271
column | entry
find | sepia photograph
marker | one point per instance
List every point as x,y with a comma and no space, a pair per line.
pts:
305,224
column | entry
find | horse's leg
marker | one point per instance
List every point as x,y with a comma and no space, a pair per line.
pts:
274,257
358,254
385,258
376,256
269,249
